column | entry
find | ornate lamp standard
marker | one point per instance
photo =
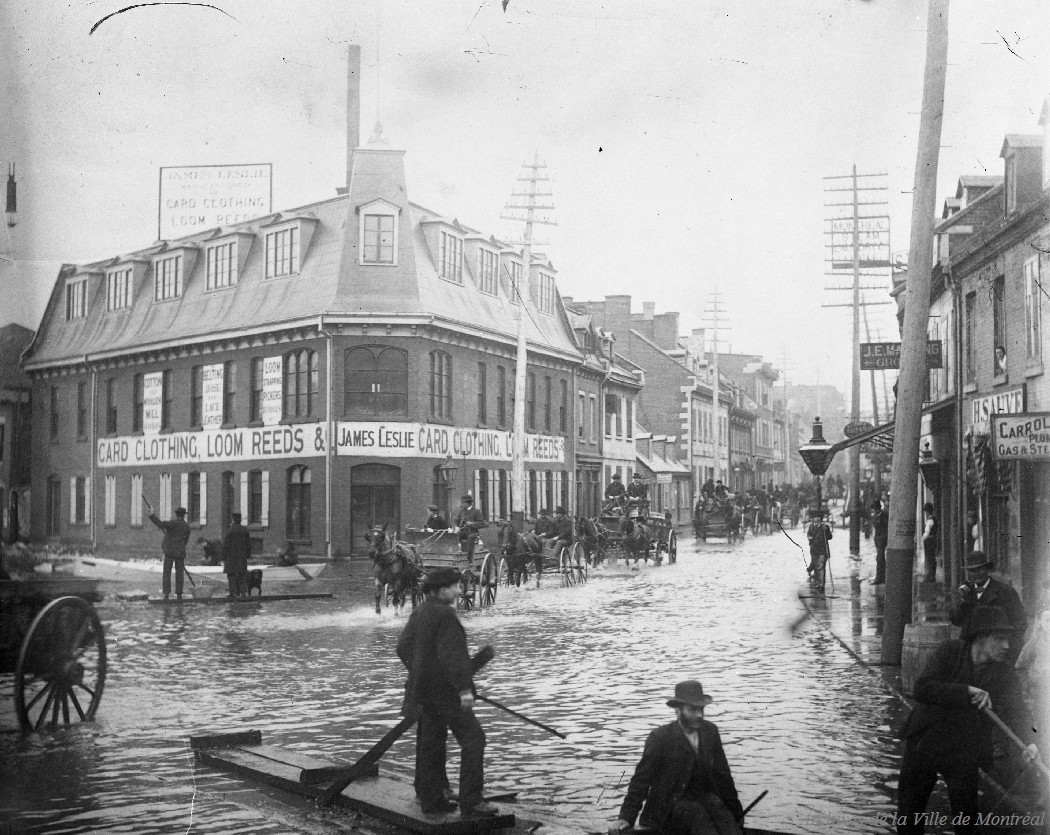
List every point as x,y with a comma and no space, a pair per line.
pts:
448,470
817,455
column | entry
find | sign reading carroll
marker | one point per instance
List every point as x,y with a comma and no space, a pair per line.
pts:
1024,437
195,198
1009,402
427,440
875,356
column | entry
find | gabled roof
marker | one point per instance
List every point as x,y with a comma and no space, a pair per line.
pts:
976,181
1021,140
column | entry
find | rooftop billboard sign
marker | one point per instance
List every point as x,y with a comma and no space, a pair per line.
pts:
194,198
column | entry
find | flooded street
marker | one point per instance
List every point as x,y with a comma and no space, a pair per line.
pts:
799,717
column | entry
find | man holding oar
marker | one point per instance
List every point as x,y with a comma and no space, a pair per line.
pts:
173,546
440,687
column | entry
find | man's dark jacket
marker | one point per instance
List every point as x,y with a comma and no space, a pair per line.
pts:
666,767
436,522
560,529
954,728
615,490
881,523
236,548
998,594
176,535
433,646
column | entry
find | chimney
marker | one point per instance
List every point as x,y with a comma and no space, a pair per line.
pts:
648,309
353,107
665,330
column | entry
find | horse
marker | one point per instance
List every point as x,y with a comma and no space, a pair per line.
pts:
637,539
519,549
590,537
395,564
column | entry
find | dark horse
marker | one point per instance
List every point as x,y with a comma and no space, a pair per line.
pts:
519,549
396,565
591,538
637,539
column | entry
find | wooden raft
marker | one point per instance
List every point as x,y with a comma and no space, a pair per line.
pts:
217,599
382,797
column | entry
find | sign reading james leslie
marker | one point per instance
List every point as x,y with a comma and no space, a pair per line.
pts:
1024,437
875,356
199,197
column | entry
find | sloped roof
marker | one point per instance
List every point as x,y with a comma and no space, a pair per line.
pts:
977,181
1021,140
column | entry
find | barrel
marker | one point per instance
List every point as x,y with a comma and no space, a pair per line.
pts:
920,640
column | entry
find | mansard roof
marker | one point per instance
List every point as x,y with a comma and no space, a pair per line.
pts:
331,282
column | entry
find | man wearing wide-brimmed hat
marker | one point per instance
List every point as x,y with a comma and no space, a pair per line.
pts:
947,734
173,546
683,778
440,687
982,590
469,521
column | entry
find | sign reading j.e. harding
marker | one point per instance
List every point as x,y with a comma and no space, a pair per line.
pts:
199,197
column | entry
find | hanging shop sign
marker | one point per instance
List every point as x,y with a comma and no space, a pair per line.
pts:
879,356
1009,402
1023,437
428,440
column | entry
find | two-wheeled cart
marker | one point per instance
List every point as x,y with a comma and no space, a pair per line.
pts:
443,549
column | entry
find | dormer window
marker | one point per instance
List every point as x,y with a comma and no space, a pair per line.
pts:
451,261
220,261
167,278
546,301
282,252
76,298
487,260
118,288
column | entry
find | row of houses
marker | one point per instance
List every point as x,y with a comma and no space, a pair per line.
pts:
985,438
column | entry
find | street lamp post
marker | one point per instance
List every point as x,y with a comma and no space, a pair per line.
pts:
817,455
11,207
448,470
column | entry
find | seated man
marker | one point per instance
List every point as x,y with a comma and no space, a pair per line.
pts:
435,521
683,777
615,493
720,491
288,555
212,549
469,521
543,524
560,532
638,492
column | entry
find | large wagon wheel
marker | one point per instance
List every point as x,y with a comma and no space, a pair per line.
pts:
672,547
578,560
489,581
468,590
61,668
568,578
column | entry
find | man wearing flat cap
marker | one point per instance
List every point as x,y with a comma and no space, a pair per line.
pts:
615,492
982,590
440,687
435,521
948,734
683,778
173,546
469,520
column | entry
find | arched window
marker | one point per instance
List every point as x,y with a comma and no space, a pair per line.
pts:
300,383
440,385
375,380
297,516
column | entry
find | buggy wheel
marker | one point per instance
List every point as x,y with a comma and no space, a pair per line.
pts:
568,578
578,562
672,547
505,578
468,591
489,581
61,668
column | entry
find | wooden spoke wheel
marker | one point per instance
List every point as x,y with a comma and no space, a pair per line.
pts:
468,591
672,547
568,577
578,560
489,578
61,668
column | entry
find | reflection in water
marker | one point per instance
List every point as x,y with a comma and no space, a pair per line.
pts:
597,662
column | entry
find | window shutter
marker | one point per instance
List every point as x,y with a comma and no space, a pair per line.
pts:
556,496
87,498
184,490
204,499
244,497
477,489
73,500
265,498
493,498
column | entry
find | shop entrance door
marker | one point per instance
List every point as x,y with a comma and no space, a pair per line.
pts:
375,499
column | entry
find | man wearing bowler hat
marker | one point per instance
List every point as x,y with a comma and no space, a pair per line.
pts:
947,733
236,548
683,778
559,534
440,687
173,546
981,590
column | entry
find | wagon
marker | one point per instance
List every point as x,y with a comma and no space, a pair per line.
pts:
611,542
442,549
52,643
570,564
714,519
665,539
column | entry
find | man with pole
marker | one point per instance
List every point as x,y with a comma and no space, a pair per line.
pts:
173,546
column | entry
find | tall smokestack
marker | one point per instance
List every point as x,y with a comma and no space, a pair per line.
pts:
353,107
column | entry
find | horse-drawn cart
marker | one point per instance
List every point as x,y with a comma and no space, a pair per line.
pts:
520,552
631,535
720,519
52,643
443,549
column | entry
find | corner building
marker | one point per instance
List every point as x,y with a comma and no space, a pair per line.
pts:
321,370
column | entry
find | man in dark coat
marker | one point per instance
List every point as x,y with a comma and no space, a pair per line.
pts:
469,520
440,687
683,777
543,524
615,493
880,521
947,733
173,546
435,521
981,590
638,490
559,534
236,548
818,533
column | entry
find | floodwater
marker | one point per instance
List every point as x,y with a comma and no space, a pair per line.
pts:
798,716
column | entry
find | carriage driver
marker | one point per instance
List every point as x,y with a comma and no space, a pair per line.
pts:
559,535
435,521
469,521
615,493
638,492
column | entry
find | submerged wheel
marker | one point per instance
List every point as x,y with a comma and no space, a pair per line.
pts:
489,581
61,668
578,561
565,567
672,547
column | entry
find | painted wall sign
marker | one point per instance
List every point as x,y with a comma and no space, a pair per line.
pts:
152,401
876,356
1023,437
427,440
273,370
199,197
211,411
301,440
1009,402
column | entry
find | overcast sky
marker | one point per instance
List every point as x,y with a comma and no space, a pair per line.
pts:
686,139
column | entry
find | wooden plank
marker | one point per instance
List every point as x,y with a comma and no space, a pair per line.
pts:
254,599
278,766
199,743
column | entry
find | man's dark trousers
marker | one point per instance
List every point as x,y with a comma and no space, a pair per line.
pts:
180,573
430,762
919,770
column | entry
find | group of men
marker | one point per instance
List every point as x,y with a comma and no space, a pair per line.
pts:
469,522
616,495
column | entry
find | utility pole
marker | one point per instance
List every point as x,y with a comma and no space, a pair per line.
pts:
876,457
857,243
523,292
786,441
715,318
900,553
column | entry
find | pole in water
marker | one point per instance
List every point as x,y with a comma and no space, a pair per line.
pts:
754,803
522,716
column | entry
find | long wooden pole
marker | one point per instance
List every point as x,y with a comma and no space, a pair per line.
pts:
900,553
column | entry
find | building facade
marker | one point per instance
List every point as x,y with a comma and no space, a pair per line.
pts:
15,435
